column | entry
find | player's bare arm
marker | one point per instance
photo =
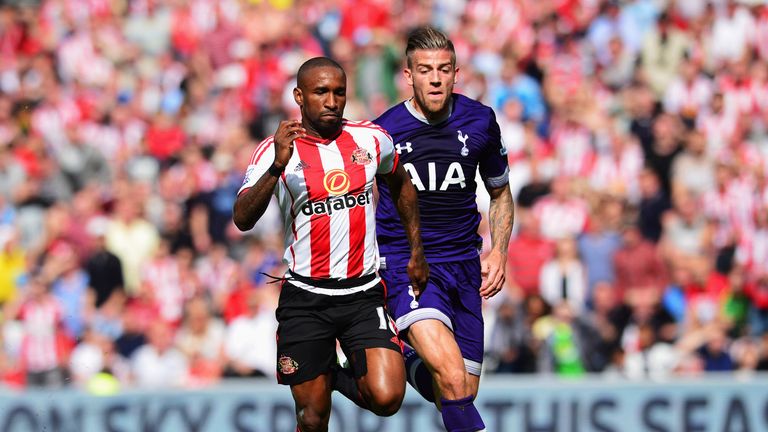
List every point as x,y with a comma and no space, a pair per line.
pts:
501,218
405,199
251,204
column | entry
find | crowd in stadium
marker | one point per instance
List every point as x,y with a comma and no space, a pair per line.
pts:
637,137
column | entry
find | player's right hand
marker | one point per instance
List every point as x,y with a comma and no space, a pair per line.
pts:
418,273
287,132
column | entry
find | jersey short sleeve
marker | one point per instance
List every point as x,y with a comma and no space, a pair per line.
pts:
261,160
494,168
388,156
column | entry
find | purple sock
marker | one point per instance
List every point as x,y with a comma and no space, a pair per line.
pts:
460,415
417,374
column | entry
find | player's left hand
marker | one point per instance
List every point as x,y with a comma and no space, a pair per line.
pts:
492,269
418,273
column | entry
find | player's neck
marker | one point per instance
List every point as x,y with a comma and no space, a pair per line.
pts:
425,117
321,134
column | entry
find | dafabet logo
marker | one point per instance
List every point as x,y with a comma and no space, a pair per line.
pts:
336,182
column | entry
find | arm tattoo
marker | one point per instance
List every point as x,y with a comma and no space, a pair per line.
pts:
405,199
251,204
501,217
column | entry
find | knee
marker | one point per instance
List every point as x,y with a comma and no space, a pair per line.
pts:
312,420
386,403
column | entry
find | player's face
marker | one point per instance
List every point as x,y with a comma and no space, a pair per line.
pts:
432,74
322,97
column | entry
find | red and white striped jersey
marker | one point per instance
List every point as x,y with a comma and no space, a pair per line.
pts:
561,219
326,200
39,348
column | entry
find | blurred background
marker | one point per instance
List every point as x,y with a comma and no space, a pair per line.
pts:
637,137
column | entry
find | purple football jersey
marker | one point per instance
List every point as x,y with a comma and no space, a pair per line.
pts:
442,160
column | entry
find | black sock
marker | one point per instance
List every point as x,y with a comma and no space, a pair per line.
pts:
345,383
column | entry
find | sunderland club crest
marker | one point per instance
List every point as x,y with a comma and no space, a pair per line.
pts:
361,156
287,365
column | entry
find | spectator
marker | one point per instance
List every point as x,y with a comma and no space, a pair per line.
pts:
45,346
715,353
510,346
158,363
597,247
693,171
653,359
560,214
564,343
93,355
105,272
563,279
253,359
663,49
654,202
71,289
201,339
686,232
217,274
133,332
12,264
528,252
132,239
637,263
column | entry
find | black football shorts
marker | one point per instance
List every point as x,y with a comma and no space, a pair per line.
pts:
309,325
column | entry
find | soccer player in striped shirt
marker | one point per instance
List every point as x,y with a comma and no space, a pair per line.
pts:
442,138
322,171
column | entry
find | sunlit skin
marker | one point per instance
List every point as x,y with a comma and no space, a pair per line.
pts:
322,97
432,74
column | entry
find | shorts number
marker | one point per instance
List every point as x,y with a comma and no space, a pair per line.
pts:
384,322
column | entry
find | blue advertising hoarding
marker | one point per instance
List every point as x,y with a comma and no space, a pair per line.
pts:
718,404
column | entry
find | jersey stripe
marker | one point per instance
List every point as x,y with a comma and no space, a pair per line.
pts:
319,232
367,125
261,149
293,224
339,221
358,180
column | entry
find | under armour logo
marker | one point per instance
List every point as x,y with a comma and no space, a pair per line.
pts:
399,148
463,138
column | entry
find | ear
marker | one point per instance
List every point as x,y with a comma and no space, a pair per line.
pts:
298,97
408,76
456,75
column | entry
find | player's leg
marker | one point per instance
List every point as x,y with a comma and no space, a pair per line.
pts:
313,404
468,312
473,384
455,354
433,304
383,386
435,344
306,351
376,378
440,352
466,304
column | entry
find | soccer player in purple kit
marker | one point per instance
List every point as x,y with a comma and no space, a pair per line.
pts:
441,138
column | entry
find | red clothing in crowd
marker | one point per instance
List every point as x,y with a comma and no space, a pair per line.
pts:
527,254
164,141
638,267
758,293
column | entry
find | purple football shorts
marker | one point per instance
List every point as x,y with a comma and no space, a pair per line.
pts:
451,296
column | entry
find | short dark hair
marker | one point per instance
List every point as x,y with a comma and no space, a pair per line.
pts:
428,38
313,63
